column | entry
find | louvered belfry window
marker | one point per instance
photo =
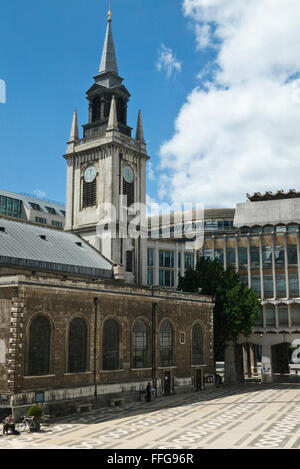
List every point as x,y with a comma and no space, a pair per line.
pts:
128,190
89,193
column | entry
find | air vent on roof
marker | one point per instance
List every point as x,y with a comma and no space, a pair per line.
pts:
2,229
79,243
43,237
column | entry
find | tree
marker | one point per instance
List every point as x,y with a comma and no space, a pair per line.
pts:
236,306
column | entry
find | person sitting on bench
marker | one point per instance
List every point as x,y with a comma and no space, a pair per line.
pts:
9,424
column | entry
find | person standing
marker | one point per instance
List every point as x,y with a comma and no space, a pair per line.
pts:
148,392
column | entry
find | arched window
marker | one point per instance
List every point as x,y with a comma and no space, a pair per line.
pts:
197,345
39,347
110,346
139,345
77,356
166,344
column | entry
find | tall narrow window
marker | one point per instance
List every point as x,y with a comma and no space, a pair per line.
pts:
128,190
96,106
77,356
110,345
39,347
89,194
166,344
139,345
197,345
129,264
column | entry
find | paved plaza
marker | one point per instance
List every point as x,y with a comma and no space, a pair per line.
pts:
254,415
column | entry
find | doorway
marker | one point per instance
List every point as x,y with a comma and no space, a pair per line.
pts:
198,380
167,383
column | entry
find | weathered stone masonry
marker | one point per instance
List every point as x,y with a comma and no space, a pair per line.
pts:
62,300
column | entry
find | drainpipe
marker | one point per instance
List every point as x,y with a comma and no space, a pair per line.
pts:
95,345
154,314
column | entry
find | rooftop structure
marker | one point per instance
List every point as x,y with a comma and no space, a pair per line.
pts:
32,209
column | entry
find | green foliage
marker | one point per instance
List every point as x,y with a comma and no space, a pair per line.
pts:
35,411
236,306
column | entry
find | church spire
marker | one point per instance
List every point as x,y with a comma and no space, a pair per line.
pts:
108,60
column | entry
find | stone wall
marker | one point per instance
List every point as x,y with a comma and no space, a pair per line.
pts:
61,301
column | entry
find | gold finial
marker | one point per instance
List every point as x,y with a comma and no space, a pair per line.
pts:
109,11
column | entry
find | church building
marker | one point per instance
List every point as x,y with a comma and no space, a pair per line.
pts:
77,329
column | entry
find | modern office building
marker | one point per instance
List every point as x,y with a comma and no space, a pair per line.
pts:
32,209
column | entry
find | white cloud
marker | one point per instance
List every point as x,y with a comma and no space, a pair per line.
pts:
240,134
167,61
39,194
2,91
150,172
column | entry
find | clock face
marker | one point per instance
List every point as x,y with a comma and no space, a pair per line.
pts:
128,174
90,174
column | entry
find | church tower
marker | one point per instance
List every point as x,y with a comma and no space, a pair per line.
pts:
106,173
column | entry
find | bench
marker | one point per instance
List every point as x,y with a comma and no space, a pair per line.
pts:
9,430
47,419
117,401
83,408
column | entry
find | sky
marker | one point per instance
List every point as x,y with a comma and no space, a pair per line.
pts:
218,83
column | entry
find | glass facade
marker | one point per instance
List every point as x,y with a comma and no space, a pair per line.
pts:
189,260
270,315
283,318
150,277
166,259
166,278
268,286
268,260
255,284
150,261
280,285
243,257
267,256
208,254
254,256
292,254
219,254
230,256
293,284
295,314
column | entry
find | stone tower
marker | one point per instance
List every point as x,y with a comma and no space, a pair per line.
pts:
106,173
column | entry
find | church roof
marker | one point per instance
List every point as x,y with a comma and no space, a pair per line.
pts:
44,249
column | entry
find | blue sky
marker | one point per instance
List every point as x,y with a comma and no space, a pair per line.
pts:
51,52
223,123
